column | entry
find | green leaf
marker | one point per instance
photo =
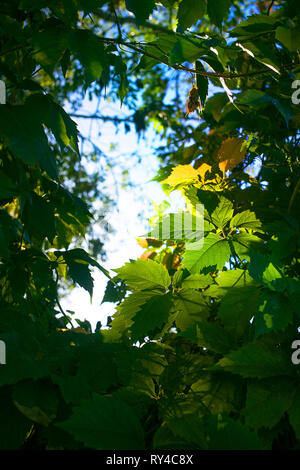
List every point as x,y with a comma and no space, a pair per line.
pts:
209,199
268,400
237,307
94,424
215,105
38,217
165,439
150,318
239,296
259,359
222,213
197,281
25,346
213,337
227,280
244,244
142,274
273,313
290,38
13,426
262,52
179,226
218,10
245,220
202,83
219,392
97,375
263,271
191,307
81,275
141,10
255,24
228,434
56,119
190,11
114,292
132,304
214,253
78,255
37,400
24,135
78,262
187,50
7,187
90,51
294,415
258,99
50,43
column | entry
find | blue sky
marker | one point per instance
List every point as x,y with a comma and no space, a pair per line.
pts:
134,204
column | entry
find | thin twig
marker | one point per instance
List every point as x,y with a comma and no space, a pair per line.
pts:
99,116
270,6
296,189
13,49
58,303
117,19
228,75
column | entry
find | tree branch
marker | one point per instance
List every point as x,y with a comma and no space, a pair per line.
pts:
270,7
131,20
137,47
99,116
117,19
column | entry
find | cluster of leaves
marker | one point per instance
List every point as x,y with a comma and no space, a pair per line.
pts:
198,353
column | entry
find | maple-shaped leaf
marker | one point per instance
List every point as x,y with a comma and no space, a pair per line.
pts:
213,253
182,175
37,400
103,423
218,10
273,313
212,336
226,433
245,220
272,395
294,415
14,425
24,134
178,226
191,306
190,11
78,262
218,392
151,317
141,9
263,271
55,118
123,318
259,359
144,274
231,153
222,213
197,281
90,51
